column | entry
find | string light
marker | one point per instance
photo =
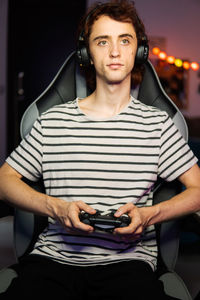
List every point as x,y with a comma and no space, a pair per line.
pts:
162,55
186,65
156,50
194,66
176,61
170,59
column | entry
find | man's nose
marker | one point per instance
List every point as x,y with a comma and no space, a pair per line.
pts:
114,50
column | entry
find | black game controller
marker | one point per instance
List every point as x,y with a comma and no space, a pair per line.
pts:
104,222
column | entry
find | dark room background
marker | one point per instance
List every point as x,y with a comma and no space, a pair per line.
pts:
40,36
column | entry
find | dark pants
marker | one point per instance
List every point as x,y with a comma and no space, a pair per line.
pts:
41,277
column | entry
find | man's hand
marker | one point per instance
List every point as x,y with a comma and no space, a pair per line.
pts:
138,221
67,213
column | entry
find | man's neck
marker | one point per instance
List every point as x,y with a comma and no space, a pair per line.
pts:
107,100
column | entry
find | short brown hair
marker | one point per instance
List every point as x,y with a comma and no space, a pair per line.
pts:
119,10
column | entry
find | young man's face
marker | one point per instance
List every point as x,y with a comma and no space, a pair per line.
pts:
113,47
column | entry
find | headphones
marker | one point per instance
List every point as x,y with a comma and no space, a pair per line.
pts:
83,55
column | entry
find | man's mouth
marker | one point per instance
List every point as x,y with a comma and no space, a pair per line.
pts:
114,66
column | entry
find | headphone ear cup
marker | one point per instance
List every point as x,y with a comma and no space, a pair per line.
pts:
142,54
83,55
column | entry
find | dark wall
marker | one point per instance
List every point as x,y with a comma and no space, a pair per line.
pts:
41,35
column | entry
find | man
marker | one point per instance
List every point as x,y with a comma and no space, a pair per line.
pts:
102,153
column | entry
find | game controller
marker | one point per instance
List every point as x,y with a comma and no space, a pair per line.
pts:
104,222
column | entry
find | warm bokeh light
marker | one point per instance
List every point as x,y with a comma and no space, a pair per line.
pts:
178,62
162,55
170,59
156,50
186,65
194,66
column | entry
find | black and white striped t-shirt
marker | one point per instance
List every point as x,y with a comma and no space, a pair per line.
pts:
106,163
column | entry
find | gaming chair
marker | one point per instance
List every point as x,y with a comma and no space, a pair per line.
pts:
68,84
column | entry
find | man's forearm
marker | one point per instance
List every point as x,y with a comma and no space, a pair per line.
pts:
182,204
17,193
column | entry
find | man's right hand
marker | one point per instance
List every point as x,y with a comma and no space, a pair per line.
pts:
67,213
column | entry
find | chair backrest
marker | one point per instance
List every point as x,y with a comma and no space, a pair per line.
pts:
68,84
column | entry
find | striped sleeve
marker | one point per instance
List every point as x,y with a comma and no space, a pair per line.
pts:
175,155
27,157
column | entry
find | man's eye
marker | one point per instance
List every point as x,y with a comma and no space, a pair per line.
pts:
125,41
102,43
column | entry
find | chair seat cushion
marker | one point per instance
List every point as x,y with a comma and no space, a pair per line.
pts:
174,286
6,277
